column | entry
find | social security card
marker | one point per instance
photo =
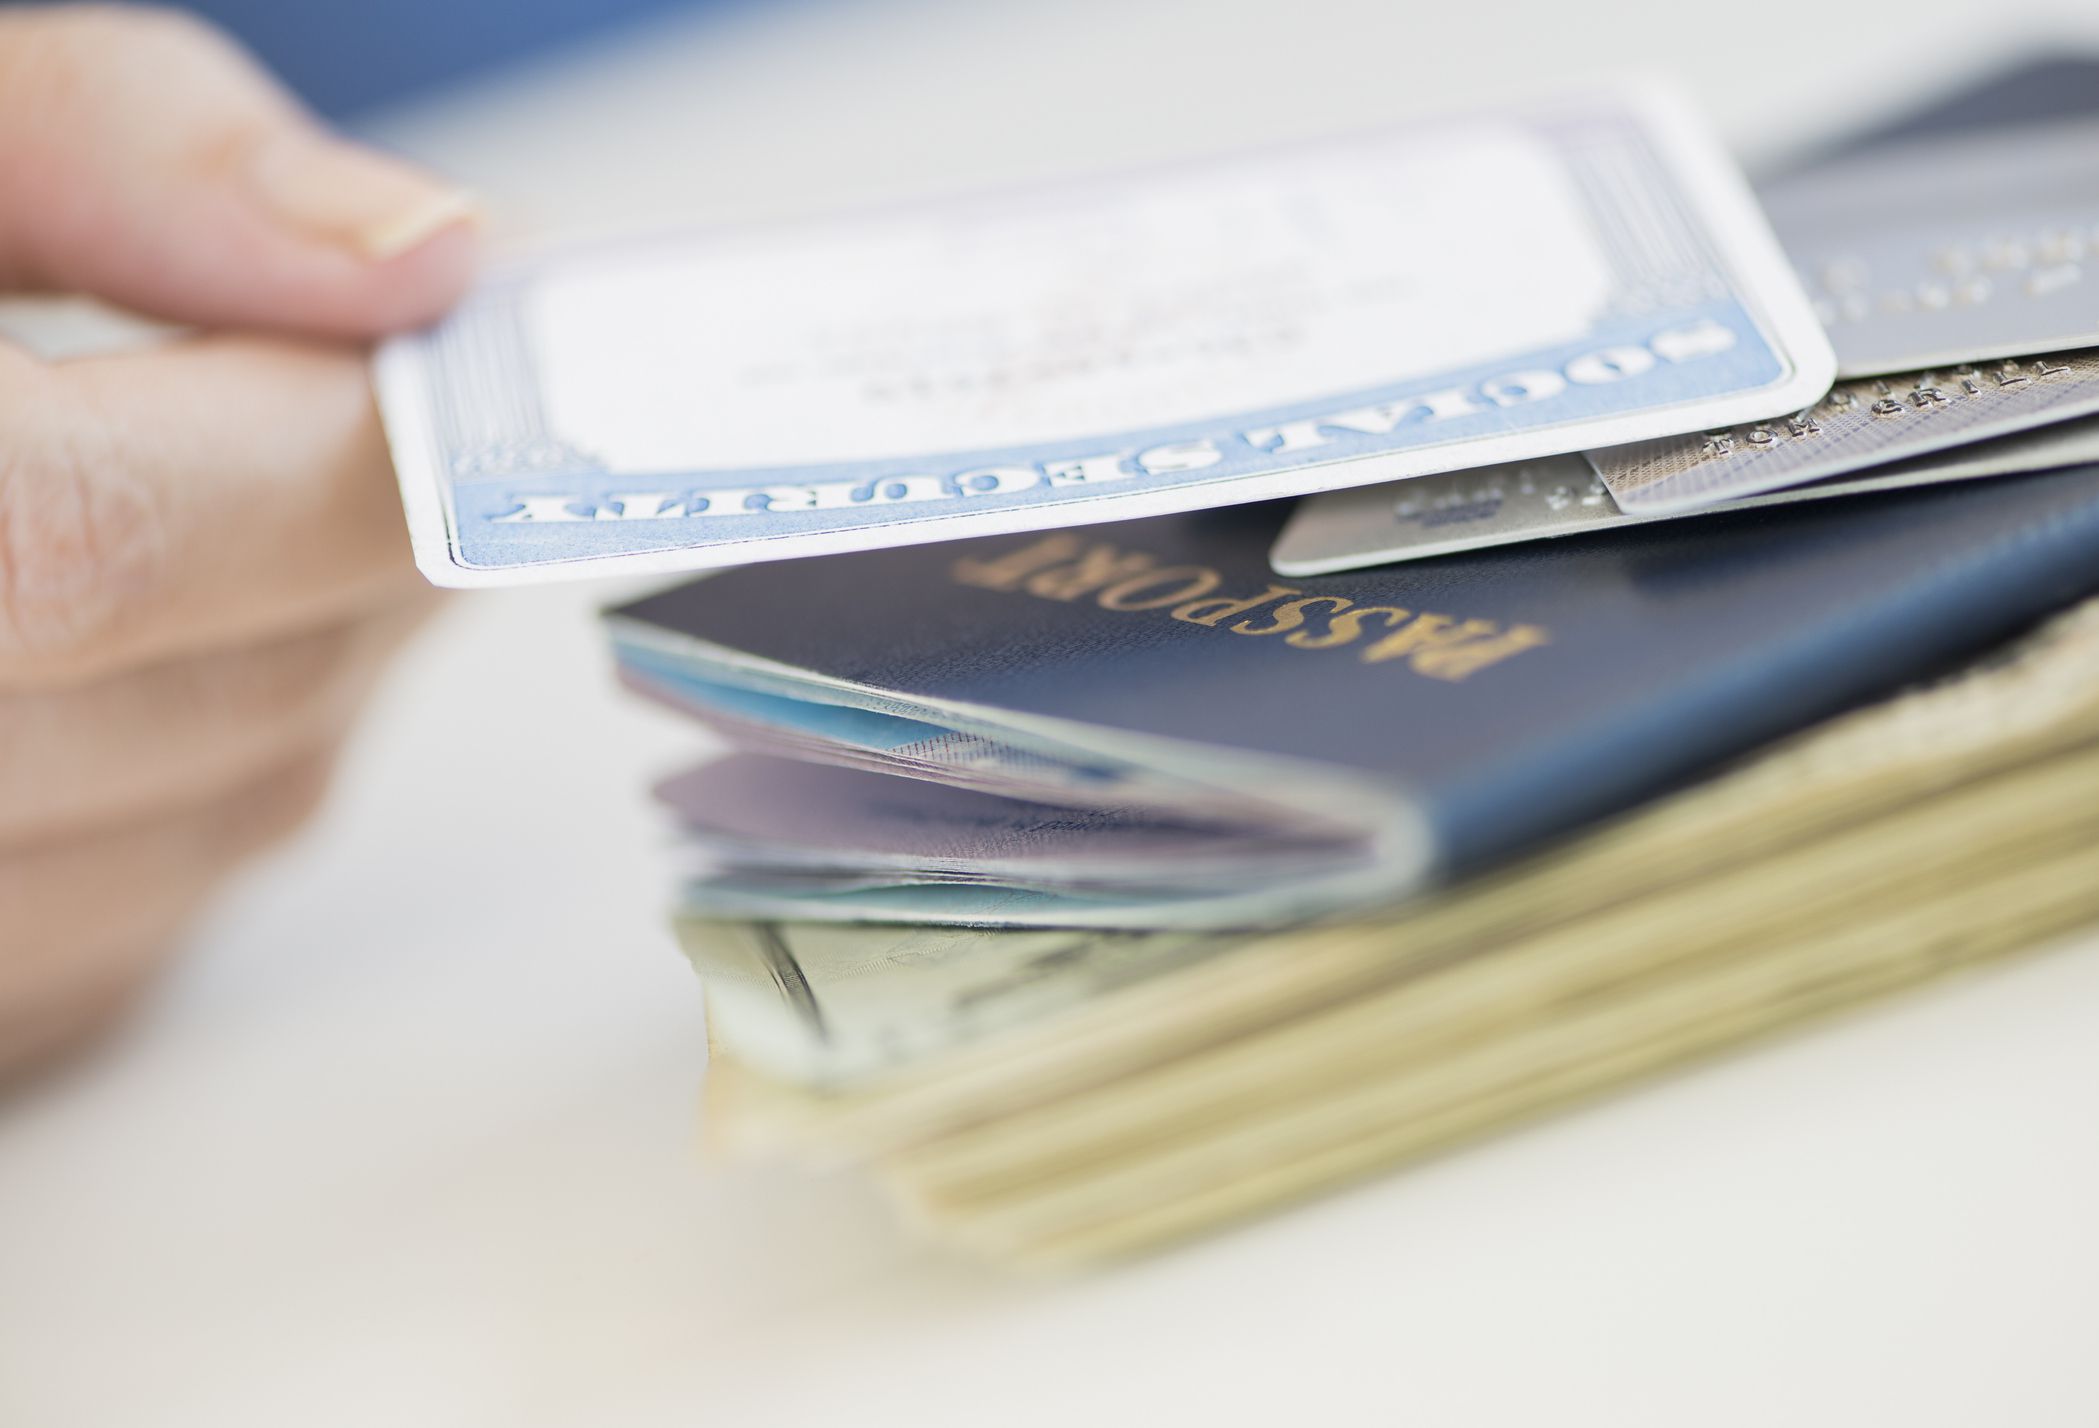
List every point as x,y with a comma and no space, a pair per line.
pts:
1479,288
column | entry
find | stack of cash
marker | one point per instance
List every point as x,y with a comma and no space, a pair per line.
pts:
1316,656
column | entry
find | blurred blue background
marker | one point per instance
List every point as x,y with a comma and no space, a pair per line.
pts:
346,56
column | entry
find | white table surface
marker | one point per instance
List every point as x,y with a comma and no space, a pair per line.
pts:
408,1140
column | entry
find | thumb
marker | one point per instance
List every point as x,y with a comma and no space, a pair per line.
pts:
144,159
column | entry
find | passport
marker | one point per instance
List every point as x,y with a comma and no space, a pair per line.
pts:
1449,715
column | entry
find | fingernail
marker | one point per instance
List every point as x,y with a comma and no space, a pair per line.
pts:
368,201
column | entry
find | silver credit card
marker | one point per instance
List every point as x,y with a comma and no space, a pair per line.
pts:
1858,425
1950,249
1563,495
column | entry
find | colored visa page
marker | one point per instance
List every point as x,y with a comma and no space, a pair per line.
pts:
1481,288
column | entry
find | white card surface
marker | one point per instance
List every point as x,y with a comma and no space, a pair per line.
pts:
1482,288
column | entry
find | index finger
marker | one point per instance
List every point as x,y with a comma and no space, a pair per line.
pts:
197,496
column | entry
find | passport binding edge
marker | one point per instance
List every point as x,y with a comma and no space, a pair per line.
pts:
1404,859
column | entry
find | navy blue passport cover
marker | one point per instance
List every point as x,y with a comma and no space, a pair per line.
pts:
1653,653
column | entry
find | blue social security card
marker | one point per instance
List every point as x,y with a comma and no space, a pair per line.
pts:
1480,288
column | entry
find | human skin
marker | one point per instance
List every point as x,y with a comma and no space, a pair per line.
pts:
203,566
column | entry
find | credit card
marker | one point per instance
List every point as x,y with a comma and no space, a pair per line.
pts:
1484,287
1860,424
1950,249
1563,495
1524,501
2047,87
